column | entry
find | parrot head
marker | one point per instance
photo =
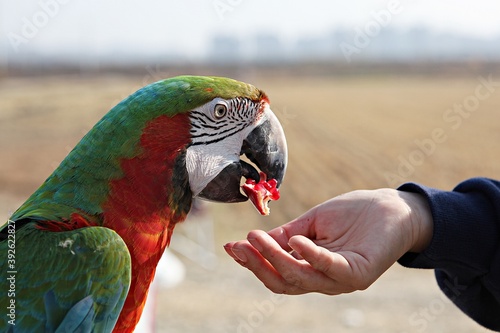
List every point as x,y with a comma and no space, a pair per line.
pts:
222,131
228,119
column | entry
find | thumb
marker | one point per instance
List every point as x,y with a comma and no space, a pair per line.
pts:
301,226
332,264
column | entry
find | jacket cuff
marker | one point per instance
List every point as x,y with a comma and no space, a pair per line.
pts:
466,231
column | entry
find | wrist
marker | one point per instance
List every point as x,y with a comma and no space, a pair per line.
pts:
420,221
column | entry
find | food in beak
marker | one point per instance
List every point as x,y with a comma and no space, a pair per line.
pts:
261,192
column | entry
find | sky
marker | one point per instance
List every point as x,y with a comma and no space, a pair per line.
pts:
186,27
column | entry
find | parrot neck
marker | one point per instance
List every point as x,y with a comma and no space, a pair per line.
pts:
146,203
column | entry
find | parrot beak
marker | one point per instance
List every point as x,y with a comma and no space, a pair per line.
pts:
266,147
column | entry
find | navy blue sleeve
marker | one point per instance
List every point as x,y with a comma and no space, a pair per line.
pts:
465,247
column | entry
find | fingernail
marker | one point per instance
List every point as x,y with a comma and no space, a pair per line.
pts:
292,243
239,254
255,243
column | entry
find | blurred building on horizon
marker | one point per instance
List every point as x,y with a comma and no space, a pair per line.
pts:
340,47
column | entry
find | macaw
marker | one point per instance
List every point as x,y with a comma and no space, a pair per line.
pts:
80,253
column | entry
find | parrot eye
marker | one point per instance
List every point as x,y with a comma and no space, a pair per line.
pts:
220,111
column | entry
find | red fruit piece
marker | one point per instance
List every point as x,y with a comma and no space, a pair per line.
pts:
260,193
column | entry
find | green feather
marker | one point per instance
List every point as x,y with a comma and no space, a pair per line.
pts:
72,265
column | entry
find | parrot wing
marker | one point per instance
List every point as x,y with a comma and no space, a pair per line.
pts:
69,281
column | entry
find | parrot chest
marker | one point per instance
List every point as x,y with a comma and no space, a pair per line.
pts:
146,242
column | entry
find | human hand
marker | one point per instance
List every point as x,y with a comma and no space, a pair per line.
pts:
339,246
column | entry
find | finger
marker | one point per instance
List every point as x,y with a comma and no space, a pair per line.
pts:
303,225
332,264
299,275
247,256
237,255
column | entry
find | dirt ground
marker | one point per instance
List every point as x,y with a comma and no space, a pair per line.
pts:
343,134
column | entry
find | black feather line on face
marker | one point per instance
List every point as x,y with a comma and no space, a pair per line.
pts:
242,112
229,132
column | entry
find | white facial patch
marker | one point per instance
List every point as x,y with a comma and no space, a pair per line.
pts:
218,130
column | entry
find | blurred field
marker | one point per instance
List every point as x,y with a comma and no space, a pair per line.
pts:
343,133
